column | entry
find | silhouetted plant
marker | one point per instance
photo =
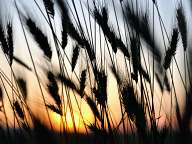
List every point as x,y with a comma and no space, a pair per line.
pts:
49,6
91,32
39,37
76,50
53,88
182,24
172,49
23,87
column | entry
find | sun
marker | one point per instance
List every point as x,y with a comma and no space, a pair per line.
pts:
61,123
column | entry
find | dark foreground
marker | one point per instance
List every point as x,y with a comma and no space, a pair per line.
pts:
45,136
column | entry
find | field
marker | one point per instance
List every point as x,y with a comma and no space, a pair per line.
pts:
95,71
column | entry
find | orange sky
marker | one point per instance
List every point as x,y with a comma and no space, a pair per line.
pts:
35,100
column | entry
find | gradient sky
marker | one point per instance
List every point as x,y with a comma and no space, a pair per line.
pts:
167,10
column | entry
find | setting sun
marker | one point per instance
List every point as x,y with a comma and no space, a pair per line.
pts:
95,72
66,122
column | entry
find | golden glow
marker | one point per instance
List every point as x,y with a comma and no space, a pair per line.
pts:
56,119
66,123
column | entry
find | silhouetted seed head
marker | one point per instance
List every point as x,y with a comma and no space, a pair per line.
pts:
67,82
121,0
10,41
72,31
101,91
64,38
140,23
40,38
3,41
82,82
154,1
99,17
7,42
1,94
55,109
66,22
65,29
170,53
93,107
105,27
129,101
102,20
53,88
105,14
18,110
182,24
23,87
134,110
75,56
64,10
135,52
16,59
49,5
81,40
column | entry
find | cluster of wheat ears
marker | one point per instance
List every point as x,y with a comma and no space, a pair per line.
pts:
125,46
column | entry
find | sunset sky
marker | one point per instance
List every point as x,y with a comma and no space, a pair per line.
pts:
167,10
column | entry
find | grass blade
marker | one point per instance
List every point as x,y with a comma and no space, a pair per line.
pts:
19,61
